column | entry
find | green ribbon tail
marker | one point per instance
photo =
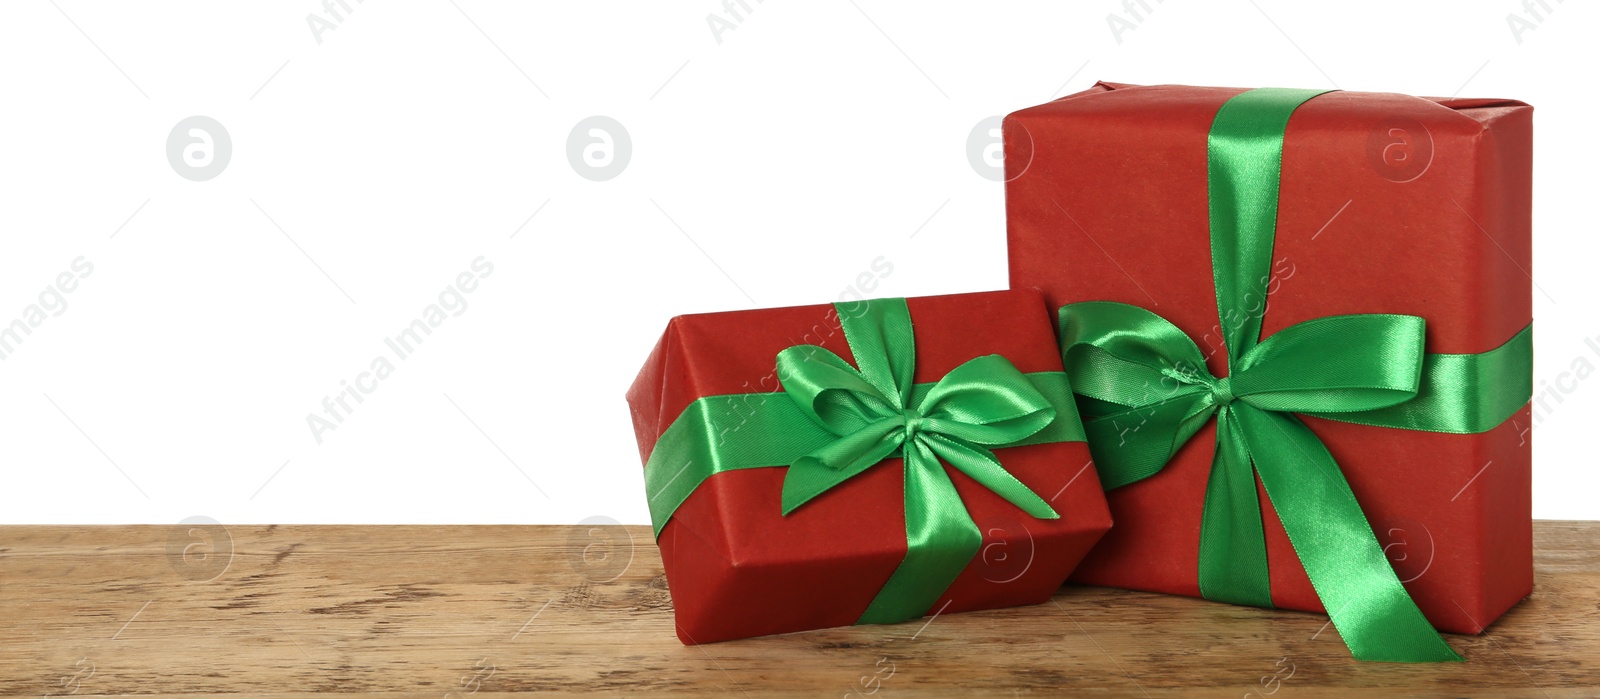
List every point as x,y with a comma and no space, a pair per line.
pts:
941,540
1233,547
1347,566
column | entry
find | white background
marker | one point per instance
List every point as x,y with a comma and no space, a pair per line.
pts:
371,168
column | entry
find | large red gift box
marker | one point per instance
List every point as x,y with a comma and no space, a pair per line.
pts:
1387,204
737,567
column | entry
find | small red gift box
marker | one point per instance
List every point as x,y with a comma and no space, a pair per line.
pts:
1386,204
738,566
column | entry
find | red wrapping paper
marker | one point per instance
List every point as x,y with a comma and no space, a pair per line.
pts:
1388,204
737,567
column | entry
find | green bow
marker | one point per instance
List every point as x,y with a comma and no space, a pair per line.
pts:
1145,390
1116,353
839,420
985,402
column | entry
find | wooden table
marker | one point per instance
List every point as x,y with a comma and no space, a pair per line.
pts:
456,611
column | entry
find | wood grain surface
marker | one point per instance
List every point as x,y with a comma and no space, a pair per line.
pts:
487,611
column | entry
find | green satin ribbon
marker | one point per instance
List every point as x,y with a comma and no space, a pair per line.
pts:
1145,390
834,421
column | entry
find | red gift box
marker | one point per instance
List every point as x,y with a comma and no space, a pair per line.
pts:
737,567
1387,204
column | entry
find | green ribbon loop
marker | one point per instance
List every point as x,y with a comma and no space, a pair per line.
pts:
836,420
1144,390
